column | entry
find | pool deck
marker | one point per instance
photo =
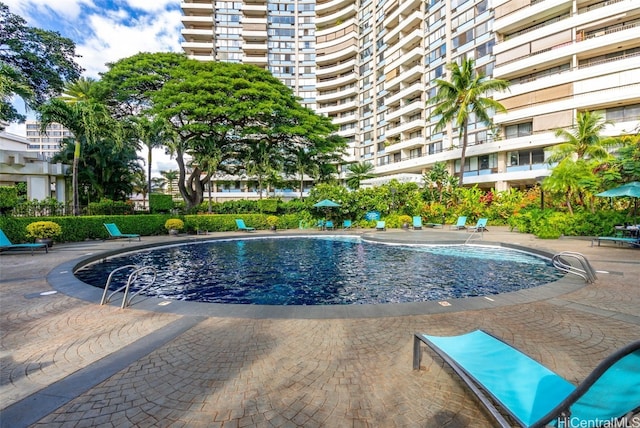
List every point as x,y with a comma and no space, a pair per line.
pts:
69,362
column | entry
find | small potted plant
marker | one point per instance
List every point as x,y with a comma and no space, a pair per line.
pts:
174,226
44,231
405,221
272,222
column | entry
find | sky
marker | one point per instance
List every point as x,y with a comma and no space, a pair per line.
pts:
105,31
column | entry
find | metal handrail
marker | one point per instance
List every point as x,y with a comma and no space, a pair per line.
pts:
106,299
586,271
473,234
132,277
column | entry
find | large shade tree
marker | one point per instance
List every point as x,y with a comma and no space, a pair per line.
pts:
466,94
222,115
35,64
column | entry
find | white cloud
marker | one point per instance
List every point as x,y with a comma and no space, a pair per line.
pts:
31,9
151,6
113,40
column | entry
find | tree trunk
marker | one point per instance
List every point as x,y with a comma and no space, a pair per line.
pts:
149,172
463,155
74,179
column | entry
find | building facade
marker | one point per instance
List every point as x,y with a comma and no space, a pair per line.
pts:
46,144
371,66
19,165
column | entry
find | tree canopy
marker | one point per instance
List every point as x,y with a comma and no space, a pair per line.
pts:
224,117
35,64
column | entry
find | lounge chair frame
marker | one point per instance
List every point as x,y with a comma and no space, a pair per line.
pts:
243,227
560,412
6,244
114,232
634,242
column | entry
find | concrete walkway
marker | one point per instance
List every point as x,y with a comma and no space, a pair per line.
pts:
69,362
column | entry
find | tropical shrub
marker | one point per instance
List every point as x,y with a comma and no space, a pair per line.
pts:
43,230
174,224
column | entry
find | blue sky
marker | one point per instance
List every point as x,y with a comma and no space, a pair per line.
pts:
105,30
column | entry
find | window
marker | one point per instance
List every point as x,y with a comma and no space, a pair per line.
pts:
519,130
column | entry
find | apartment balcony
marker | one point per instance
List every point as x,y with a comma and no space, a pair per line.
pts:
254,48
196,8
197,36
337,69
397,29
259,60
410,92
336,49
404,9
254,34
336,82
344,118
336,95
408,143
197,46
330,7
254,9
336,17
337,107
564,52
197,21
508,20
407,57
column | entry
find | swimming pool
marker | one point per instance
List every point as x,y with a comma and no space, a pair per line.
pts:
328,270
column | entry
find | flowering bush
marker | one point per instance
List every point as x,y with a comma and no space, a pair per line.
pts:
43,230
272,220
174,223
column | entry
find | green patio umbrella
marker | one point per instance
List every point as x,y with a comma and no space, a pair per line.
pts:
326,204
630,190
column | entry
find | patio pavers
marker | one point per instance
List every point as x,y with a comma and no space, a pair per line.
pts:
177,369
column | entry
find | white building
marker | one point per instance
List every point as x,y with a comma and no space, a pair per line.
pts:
18,165
375,63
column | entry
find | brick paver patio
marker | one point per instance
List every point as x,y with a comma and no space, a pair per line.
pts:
67,362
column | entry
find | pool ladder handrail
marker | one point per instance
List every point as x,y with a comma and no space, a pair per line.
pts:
473,235
585,271
132,277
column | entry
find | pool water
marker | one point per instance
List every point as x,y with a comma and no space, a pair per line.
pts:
327,271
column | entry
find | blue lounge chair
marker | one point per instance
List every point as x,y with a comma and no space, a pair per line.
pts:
346,224
115,233
460,224
381,225
5,244
328,225
481,226
320,225
619,240
531,394
417,222
243,227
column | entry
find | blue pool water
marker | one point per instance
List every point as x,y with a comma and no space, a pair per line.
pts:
327,271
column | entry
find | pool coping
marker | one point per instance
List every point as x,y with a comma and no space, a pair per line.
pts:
63,280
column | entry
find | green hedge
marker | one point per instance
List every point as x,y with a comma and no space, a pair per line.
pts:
83,228
87,227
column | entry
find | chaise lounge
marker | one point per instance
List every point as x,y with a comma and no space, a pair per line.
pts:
243,227
531,394
114,232
5,244
460,224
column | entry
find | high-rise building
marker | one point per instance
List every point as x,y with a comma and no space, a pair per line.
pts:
371,67
46,143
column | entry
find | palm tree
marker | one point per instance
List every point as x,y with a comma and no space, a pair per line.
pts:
584,140
463,96
170,176
77,111
152,134
358,172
